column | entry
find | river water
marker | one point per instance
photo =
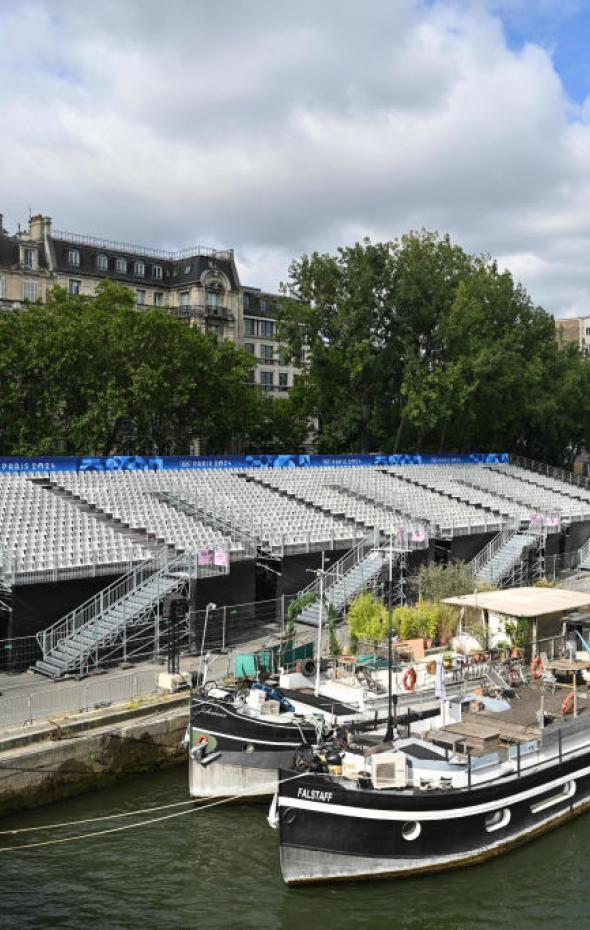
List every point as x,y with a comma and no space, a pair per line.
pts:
218,870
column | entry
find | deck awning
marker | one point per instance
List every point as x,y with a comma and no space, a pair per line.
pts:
524,602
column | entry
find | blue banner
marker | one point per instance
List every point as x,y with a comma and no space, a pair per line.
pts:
16,465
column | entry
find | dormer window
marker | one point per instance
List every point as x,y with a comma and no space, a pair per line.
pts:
157,272
139,269
102,263
30,258
121,265
188,269
74,257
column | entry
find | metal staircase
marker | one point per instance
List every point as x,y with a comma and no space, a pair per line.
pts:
498,560
106,621
353,573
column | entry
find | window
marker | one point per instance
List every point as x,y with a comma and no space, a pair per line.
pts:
267,328
157,272
158,299
140,298
184,302
30,256
2,287
30,290
497,820
249,347
282,358
411,830
266,354
74,257
249,326
262,303
565,792
188,269
213,299
246,301
283,379
121,265
139,269
588,330
74,287
267,379
102,263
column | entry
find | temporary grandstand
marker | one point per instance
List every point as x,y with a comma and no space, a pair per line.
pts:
89,548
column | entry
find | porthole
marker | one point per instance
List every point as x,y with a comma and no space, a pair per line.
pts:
411,830
249,747
567,791
497,819
289,815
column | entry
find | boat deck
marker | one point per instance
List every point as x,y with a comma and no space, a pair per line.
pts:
320,702
482,731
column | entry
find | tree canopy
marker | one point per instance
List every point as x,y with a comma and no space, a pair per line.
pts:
416,345
81,375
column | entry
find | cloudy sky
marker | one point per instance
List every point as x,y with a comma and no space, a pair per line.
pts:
279,127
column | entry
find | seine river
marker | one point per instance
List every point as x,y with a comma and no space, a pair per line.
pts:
219,869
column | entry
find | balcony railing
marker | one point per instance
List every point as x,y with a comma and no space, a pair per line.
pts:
204,311
191,252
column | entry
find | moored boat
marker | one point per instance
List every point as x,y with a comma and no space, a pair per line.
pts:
473,789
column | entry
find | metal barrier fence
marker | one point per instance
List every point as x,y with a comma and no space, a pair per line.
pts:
76,698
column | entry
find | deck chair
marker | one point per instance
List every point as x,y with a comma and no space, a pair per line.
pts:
498,685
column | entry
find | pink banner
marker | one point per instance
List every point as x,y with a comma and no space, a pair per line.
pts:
221,557
204,557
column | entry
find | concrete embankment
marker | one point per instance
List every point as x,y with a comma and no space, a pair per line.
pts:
73,755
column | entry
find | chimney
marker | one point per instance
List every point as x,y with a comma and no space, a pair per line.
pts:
39,227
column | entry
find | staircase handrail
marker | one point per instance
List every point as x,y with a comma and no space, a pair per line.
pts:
250,541
344,564
583,551
66,626
489,551
551,471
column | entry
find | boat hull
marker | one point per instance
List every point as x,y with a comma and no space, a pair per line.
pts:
238,775
329,833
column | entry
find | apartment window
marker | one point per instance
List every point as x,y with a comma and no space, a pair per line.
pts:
213,299
588,330
74,287
74,257
266,354
184,299
102,263
158,299
30,291
249,347
121,265
157,272
30,256
267,328
140,298
2,287
188,269
282,358
246,301
262,303
139,269
283,379
267,379
249,326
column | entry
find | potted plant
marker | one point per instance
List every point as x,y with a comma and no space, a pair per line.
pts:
447,659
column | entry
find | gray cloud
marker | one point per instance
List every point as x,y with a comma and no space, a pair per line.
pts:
278,128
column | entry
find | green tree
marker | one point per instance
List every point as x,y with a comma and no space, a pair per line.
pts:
98,375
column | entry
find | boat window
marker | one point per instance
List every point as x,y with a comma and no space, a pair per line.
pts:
411,830
497,819
566,791
249,747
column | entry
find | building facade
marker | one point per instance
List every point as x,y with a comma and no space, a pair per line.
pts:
576,330
198,285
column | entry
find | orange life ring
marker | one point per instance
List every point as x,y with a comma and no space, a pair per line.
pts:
202,740
537,667
409,679
568,704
